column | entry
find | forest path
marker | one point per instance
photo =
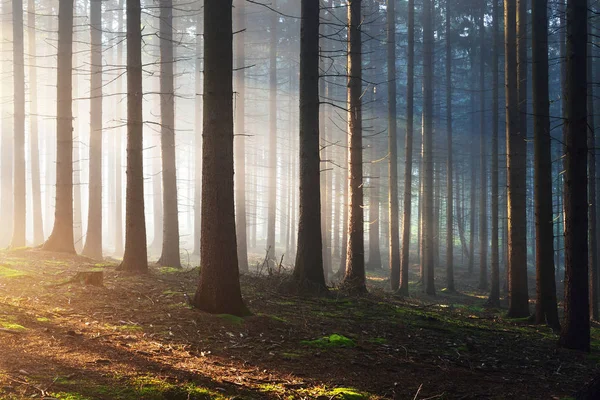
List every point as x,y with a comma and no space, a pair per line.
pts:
136,338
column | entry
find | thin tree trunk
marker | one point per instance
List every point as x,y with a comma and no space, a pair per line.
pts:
93,238
170,246
516,155
406,215
19,179
218,290
427,202
118,209
374,262
38,222
198,135
6,152
135,258
483,190
494,299
394,229
240,140
449,167
272,191
61,239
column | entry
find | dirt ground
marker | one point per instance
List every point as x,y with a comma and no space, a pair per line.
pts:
136,338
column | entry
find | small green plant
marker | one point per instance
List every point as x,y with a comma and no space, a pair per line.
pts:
233,319
334,340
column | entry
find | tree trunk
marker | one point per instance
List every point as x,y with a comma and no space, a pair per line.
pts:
575,332
516,161
6,152
494,299
374,263
546,308
308,269
135,259
473,192
355,280
19,180
36,193
93,238
483,233
394,229
427,230
449,167
61,239
198,136
272,191
219,287
170,246
406,215
593,250
118,146
240,140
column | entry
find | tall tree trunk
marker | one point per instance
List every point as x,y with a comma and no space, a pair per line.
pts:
427,230
240,140
593,250
449,167
494,299
61,239
272,191
483,233
546,308
19,179
575,332
473,192
394,229
406,214
6,151
308,269
355,280
93,238
36,193
170,246
198,134
516,162
135,258
219,287
118,146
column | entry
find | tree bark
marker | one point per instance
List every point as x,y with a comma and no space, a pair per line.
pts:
483,227
198,134
427,230
93,238
354,280
218,290
6,151
516,162
170,245
272,191
135,258
406,215
394,229
575,333
19,180
449,160
308,269
118,146
36,193
61,239
494,299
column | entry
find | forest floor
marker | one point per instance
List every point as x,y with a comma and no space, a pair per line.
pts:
136,338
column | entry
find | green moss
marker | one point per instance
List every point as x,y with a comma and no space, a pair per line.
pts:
130,328
334,340
291,356
43,319
271,388
235,320
69,396
12,326
347,394
6,272
377,340
169,270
